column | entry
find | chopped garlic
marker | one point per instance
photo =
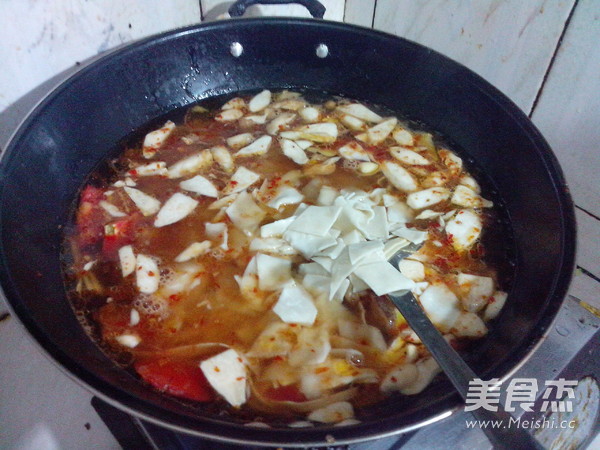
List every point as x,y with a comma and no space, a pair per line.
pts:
147,204
260,101
155,139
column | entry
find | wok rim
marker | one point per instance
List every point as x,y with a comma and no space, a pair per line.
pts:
109,393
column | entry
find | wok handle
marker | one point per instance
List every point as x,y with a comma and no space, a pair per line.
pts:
460,374
316,9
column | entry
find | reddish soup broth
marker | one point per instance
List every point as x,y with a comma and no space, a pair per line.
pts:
240,258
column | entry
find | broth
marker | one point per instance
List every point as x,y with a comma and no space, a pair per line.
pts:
239,258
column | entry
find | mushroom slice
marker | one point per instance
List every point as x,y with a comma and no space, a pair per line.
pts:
155,139
175,209
319,132
400,178
293,151
409,156
223,158
334,413
427,197
229,115
352,122
381,131
260,101
403,137
191,164
465,196
240,140
127,260
194,250
476,291
464,228
147,204
279,123
154,168
258,147
495,305
441,305
234,103
451,161
354,151
310,114
360,112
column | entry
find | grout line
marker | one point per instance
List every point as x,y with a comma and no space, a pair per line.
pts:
553,59
374,12
588,273
201,12
587,212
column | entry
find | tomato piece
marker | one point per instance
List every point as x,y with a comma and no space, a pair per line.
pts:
90,216
289,393
176,378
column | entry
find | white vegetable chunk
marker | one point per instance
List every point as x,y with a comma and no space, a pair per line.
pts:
333,413
240,180
273,272
477,291
465,228
240,140
427,369
466,197
399,378
223,158
279,123
194,250
408,156
155,139
381,131
191,164
427,197
226,373
229,115
400,178
245,214
200,185
272,245
217,231
451,160
260,101
178,207
361,112
129,340
127,260
495,306
234,103
258,147
147,274
441,306
147,204
293,151
469,181
352,122
151,169
111,209
134,317
310,114
319,132
354,151
403,137
469,325
295,305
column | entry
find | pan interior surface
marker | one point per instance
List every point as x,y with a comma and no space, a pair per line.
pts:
78,124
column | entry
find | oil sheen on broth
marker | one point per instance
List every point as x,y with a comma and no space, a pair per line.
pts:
239,259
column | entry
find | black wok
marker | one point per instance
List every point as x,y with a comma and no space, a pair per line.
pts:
80,122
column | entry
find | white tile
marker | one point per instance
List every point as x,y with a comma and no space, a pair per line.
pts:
510,43
40,39
40,406
360,12
585,288
568,111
